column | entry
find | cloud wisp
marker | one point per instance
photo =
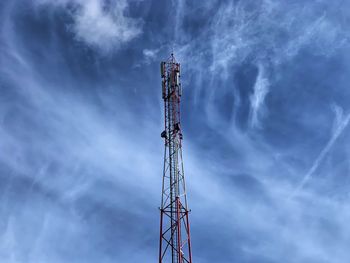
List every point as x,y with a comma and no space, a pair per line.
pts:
251,32
340,124
98,24
261,88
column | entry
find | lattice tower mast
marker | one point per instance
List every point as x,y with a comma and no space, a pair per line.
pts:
175,242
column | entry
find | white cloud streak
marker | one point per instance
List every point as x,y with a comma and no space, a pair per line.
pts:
150,54
243,29
339,126
292,226
79,149
270,31
261,88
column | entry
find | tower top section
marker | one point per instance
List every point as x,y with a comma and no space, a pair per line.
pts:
170,73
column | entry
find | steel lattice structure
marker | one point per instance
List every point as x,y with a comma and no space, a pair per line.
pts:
175,242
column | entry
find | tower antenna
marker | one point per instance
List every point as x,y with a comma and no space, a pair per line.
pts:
174,241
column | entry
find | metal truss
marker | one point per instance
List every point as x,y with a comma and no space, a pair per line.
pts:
174,240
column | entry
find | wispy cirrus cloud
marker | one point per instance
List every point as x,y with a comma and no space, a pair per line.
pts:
252,32
261,88
340,124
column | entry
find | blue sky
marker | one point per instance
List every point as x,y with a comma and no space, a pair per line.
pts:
265,119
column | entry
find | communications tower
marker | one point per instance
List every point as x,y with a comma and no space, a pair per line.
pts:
175,242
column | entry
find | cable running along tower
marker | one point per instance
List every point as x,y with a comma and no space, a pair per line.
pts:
175,242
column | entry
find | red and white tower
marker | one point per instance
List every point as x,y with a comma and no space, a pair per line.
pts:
175,242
